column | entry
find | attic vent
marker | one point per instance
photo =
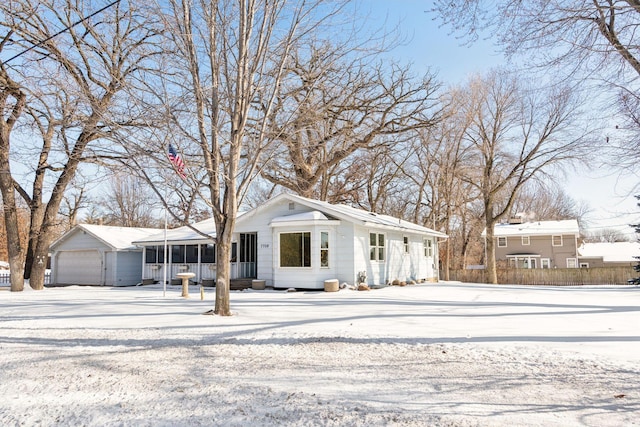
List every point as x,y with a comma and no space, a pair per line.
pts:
292,206
515,220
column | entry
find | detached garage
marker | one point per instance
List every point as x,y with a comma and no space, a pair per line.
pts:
98,255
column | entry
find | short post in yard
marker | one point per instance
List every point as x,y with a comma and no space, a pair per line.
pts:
185,282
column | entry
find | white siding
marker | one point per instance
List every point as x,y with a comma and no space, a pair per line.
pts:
81,240
127,269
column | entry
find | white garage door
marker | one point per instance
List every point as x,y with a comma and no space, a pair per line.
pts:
79,268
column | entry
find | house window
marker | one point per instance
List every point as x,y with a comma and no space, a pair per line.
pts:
191,252
502,242
428,248
405,241
572,263
545,263
584,265
525,241
556,240
209,253
295,249
177,254
154,255
324,249
376,247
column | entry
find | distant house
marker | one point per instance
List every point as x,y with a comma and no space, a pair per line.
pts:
539,244
295,242
618,254
98,255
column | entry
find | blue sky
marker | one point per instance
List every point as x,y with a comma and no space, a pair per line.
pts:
606,190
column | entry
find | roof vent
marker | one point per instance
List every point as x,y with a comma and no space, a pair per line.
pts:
292,206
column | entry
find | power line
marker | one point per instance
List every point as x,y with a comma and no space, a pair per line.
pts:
62,31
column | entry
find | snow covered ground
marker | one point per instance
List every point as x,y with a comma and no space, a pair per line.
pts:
445,354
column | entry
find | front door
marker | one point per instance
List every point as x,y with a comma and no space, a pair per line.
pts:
247,256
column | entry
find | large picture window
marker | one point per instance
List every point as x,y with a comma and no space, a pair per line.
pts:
295,249
376,247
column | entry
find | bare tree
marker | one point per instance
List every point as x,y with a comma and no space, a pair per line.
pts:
545,201
218,86
12,104
335,103
441,195
129,203
70,84
607,235
589,39
592,35
514,136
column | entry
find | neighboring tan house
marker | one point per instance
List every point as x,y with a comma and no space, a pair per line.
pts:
294,242
538,244
98,255
618,254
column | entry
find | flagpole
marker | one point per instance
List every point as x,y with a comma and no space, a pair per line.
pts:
164,258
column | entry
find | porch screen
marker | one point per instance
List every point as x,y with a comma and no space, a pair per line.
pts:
154,254
295,250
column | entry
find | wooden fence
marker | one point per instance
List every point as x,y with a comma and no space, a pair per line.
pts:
551,277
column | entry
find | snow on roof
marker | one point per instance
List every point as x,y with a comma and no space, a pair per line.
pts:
611,252
184,233
358,215
119,238
537,228
304,216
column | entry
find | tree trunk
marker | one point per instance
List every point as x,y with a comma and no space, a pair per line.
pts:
492,274
447,265
38,267
223,276
14,247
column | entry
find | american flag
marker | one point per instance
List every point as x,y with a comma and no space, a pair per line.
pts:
176,160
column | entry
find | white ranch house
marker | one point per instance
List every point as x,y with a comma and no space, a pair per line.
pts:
295,242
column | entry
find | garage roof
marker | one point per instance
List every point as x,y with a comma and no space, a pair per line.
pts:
118,238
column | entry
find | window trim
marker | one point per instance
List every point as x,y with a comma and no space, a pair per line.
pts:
378,248
544,261
574,261
302,253
526,241
428,248
327,249
553,240
505,241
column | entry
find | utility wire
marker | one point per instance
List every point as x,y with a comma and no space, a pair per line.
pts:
62,31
